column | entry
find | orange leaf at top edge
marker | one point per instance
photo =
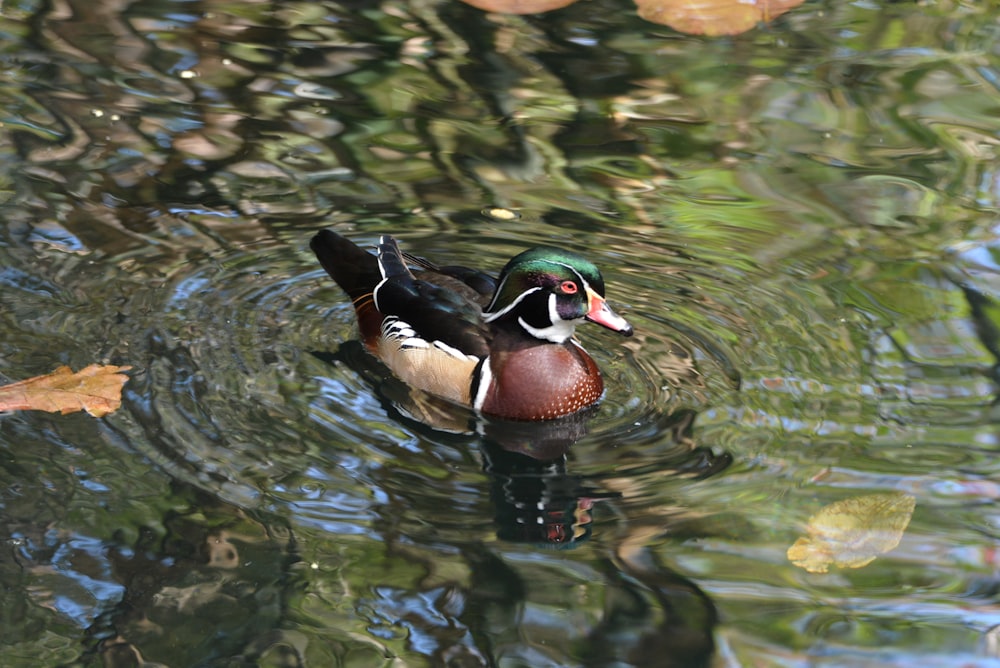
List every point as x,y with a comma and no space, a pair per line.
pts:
713,17
519,6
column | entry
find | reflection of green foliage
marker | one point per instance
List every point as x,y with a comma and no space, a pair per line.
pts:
785,206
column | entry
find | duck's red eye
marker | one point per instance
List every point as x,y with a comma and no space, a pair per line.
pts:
568,288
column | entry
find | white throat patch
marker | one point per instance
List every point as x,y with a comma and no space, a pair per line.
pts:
559,331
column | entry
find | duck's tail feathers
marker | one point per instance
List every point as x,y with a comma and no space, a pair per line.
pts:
357,272
354,269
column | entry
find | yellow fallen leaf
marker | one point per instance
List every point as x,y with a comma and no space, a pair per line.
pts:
713,17
852,532
96,389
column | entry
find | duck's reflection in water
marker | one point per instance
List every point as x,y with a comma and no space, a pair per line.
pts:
650,616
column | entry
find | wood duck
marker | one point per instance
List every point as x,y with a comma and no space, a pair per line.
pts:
502,346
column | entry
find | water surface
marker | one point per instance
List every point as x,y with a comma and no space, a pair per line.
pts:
800,223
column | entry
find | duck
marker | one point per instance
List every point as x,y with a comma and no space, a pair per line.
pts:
503,346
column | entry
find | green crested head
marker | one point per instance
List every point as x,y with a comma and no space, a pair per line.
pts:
545,268
548,292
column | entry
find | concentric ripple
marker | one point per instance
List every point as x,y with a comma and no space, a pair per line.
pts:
252,386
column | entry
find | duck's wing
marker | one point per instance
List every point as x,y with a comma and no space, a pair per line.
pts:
426,312
478,285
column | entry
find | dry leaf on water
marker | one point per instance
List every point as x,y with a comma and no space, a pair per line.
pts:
852,532
96,389
519,6
695,17
713,17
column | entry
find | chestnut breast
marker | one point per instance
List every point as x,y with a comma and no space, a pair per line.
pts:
542,382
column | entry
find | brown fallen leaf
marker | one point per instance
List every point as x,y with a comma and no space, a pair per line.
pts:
713,17
852,532
96,389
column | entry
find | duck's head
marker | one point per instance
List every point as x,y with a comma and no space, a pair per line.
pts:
548,292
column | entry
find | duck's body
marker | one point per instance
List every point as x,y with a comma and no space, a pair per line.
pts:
503,346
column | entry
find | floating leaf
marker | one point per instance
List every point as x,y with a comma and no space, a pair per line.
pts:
519,6
852,532
713,17
96,389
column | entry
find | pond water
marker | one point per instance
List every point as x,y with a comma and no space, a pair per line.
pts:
800,222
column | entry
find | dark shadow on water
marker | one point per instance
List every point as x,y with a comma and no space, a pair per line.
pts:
652,615
537,498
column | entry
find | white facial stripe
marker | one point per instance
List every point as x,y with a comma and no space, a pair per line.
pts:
579,276
490,317
583,281
497,291
558,332
485,379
